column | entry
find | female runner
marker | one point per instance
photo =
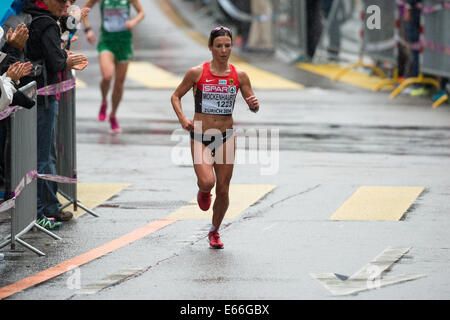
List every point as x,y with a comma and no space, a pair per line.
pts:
215,85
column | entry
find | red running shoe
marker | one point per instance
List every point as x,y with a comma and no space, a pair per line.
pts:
204,200
114,124
214,240
102,112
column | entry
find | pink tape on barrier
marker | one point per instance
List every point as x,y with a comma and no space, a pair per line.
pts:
56,88
428,9
7,112
26,180
45,91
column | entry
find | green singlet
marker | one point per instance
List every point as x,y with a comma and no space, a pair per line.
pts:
115,37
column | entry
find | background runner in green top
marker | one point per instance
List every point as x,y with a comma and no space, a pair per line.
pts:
115,14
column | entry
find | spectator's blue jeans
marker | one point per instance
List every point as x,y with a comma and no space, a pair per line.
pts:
47,200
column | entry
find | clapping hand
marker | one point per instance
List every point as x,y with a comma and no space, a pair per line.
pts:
76,61
19,70
17,38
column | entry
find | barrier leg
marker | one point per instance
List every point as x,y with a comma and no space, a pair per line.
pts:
407,82
87,209
51,234
6,242
440,101
77,202
387,82
67,204
26,245
359,64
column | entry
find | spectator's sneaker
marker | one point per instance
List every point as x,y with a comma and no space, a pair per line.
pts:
214,240
102,112
114,124
204,200
49,224
61,216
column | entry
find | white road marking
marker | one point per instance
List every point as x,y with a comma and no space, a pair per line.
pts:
369,277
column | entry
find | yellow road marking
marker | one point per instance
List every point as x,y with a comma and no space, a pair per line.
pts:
172,14
92,195
378,203
241,197
152,76
264,80
352,77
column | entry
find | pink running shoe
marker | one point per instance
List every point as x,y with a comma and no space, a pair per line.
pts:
114,124
204,200
102,112
214,240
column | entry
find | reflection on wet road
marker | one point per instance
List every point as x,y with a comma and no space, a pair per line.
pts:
316,137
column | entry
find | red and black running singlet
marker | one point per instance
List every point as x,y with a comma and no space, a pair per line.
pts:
216,94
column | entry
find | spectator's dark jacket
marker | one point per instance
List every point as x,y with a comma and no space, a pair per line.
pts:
44,44
413,2
13,55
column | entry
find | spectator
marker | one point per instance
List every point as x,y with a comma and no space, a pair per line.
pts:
44,45
8,81
7,90
260,38
13,70
314,25
70,21
412,20
334,29
15,43
243,27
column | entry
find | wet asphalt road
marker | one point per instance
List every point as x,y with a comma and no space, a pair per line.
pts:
333,139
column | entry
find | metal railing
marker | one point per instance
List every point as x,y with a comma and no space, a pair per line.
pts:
22,160
66,147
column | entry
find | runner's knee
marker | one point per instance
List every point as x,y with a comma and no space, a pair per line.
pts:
205,184
107,77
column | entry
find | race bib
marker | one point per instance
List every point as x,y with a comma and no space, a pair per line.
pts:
114,20
218,99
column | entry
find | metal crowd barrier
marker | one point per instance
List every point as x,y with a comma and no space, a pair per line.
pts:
436,46
66,147
22,160
432,21
290,26
380,45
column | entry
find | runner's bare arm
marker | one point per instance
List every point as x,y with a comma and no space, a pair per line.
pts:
189,80
90,35
139,17
247,91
